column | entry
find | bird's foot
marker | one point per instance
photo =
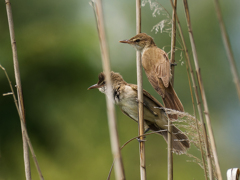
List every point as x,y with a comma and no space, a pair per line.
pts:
141,140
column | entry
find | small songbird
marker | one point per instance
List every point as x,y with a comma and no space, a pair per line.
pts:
155,118
157,68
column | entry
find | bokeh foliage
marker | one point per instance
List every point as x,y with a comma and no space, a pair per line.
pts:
59,59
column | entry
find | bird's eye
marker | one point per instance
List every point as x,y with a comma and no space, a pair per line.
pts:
137,40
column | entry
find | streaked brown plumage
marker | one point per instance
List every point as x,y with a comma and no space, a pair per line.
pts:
125,96
157,68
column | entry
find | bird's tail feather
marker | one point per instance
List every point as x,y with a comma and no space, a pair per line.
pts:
171,100
180,141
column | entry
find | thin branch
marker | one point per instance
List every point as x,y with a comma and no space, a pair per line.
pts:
173,44
173,40
197,126
23,125
19,88
130,140
228,48
205,105
119,170
196,95
140,97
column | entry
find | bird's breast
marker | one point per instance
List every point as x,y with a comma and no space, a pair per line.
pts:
128,102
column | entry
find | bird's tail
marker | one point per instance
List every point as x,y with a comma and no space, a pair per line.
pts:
171,100
180,141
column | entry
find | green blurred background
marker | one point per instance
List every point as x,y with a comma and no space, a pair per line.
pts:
59,58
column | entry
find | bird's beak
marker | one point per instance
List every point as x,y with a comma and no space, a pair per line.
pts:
125,41
95,86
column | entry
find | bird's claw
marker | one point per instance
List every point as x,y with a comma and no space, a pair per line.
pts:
141,140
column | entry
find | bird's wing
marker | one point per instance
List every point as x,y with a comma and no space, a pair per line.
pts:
148,99
156,61
154,113
146,127
128,115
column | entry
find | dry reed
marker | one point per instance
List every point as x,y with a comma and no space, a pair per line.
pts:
140,98
119,170
172,60
204,100
19,89
228,48
24,129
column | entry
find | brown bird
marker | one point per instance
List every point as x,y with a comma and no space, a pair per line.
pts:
157,68
155,118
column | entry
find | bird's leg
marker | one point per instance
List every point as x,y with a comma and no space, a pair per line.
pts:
146,130
140,140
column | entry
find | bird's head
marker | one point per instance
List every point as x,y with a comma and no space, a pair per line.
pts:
116,80
140,41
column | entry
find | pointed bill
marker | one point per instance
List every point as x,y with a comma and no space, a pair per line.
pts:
95,86
125,41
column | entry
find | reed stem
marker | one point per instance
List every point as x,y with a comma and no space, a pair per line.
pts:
140,97
228,48
204,100
119,170
173,44
23,126
189,65
19,88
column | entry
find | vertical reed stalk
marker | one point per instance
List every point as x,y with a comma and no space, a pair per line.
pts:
228,48
189,65
205,105
19,88
197,126
173,44
119,170
23,125
173,40
140,97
